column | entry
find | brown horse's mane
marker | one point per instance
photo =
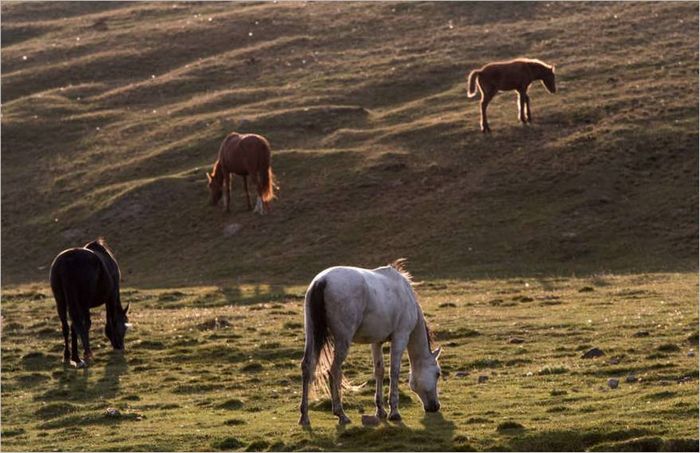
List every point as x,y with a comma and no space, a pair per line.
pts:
217,172
400,266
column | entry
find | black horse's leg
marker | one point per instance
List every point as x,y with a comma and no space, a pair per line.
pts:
63,316
245,188
74,345
85,337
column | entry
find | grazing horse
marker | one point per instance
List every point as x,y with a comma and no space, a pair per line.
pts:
83,278
350,304
243,154
510,75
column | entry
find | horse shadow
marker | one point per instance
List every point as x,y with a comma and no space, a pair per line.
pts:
79,385
437,434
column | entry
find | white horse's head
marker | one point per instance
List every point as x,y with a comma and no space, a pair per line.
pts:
423,381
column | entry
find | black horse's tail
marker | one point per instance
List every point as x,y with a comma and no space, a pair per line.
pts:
472,82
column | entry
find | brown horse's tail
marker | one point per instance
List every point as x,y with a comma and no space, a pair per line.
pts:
269,184
472,82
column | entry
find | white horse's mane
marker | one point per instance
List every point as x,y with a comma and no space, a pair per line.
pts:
400,266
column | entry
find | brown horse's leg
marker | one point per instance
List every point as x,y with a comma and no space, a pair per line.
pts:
227,197
247,195
486,96
258,184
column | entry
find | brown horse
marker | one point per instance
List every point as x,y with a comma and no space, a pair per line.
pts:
243,155
510,75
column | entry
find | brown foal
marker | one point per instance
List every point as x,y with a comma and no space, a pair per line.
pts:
510,75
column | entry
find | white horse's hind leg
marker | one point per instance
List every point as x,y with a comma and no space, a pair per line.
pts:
341,352
398,345
378,359
306,377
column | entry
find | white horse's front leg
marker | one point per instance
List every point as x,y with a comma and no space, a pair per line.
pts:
378,359
398,345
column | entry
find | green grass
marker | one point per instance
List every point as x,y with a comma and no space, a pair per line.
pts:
575,232
235,385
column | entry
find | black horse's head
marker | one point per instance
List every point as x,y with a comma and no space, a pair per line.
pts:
116,327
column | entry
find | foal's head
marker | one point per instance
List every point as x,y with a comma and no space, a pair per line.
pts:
548,79
116,327
215,190
423,381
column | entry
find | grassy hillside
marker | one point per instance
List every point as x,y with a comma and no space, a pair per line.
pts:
578,231
112,112
213,369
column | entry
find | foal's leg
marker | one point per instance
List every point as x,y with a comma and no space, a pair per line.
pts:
378,359
486,96
247,195
398,345
341,352
521,105
527,105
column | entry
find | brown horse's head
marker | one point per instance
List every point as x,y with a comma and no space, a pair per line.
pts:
548,80
214,189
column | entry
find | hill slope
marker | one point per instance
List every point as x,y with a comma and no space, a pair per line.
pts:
112,112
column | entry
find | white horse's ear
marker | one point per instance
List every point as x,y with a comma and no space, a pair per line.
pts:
436,353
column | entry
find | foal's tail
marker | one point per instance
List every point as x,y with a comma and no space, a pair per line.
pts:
319,347
472,82
269,184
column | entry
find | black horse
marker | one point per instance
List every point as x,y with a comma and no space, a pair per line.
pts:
82,278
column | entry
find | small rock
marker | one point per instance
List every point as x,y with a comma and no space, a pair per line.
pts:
631,378
641,333
684,379
370,420
482,379
591,353
112,412
232,228
613,383
691,354
516,340
528,374
614,360
462,373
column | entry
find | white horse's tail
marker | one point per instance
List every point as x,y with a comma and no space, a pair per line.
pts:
319,341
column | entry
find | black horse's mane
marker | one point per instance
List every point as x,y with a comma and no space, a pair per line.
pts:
100,245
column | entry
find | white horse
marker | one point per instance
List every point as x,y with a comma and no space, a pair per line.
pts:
346,304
